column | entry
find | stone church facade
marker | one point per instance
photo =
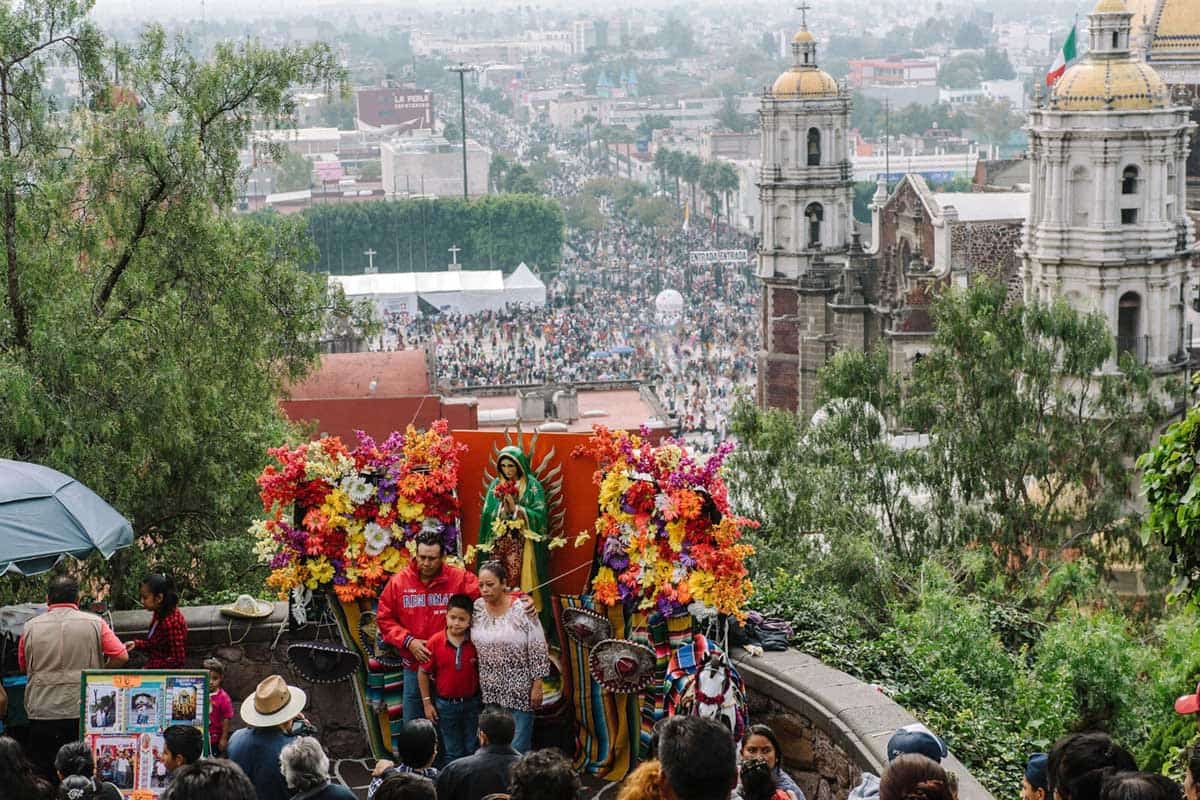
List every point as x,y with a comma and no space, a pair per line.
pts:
1103,225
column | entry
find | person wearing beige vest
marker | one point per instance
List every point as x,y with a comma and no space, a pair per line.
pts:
54,649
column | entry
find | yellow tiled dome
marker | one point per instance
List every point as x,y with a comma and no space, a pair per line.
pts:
1109,84
1110,7
802,82
802,36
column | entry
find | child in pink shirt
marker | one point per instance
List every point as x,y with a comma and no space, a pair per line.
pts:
220,708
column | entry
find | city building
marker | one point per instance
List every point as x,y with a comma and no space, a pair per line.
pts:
1108,229
1166,33
583,36
811,266
865,72
391,109
430,165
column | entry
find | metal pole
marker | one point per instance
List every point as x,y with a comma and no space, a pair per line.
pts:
462,70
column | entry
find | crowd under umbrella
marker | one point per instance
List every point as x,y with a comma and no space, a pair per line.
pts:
46,515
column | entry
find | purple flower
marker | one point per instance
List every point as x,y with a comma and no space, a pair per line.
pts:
386,492
281,559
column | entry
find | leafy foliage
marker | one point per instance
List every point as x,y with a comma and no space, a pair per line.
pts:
494,230
146,331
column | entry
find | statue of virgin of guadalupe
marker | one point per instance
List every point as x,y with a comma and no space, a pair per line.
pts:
514,523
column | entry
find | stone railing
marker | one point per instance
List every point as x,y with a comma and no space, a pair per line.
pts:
832,727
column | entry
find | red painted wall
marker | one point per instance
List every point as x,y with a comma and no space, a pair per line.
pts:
378,416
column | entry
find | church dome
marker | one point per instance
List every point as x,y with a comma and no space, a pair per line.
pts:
802,36
801,82
1103,85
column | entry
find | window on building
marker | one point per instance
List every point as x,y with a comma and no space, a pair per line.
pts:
814,147
814,214
1129,311
1114,38
1129,180
1128,216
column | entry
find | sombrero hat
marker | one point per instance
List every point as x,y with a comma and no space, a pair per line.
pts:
586,626
246,607
374,645
622,666
323,662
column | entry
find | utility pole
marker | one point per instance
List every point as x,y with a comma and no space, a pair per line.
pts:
462,70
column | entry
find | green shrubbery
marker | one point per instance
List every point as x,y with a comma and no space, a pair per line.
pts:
969,575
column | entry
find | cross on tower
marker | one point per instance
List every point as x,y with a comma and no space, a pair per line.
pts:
803,9
370,254
453,251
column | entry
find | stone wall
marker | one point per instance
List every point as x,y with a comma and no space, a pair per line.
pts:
246,649
832,726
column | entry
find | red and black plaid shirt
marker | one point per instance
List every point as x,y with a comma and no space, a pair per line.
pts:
166,647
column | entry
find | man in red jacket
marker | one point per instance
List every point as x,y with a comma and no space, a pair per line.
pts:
413,607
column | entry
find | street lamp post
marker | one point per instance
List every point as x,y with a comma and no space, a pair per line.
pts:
462,70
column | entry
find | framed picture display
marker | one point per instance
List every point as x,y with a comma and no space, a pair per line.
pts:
122,716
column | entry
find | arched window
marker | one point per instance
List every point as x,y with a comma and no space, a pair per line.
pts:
1129,311
1080,196
813,215
783,227
785,147
1114,47
1129,180
814,147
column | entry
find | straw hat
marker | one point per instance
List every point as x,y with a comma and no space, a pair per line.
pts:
273,703
246,607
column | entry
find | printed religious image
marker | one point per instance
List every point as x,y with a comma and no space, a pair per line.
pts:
186,696
152,773
143,709
115,759
102,709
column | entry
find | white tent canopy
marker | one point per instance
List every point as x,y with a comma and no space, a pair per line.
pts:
452,292
523,287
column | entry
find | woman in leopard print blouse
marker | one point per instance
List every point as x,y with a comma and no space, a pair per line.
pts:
513,657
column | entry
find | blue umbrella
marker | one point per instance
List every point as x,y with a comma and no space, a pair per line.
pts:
599,354
623,350
45,515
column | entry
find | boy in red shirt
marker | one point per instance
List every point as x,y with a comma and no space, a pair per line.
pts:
449,681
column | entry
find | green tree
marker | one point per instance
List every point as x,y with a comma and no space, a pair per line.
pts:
690,171
651,123
996,120
451,131
370,170
662,159
1027,420
153,373
960,72
995,65
292,172
731,118
676,159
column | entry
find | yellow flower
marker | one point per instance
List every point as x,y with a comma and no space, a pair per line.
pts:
582,538
409,511
556,542
469,556
675,532
392,559
612,488
319,571
337,503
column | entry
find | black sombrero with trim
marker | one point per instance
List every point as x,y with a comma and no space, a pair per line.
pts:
622,666
323,662
585,626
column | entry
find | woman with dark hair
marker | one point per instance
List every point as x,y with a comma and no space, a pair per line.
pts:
513,656
165,645
75,760
914,777
756,781
1077,763
1191,775
416,750
760,742
1139,786
17,775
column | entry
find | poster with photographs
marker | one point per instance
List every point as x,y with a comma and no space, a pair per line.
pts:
123,716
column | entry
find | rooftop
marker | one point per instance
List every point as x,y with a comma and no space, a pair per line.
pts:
401,373
982,206
624,409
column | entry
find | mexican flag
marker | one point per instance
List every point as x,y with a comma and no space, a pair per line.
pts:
1063,60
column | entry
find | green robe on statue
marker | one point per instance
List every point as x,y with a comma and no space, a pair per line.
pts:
527,561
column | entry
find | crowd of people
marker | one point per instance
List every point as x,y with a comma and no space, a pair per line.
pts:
474,657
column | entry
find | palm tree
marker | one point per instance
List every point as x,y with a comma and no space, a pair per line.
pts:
661,158
675,161
728,182
586,122
692,167
709,176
